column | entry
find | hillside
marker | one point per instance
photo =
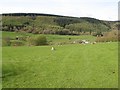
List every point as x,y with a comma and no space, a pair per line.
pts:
53,51
55,24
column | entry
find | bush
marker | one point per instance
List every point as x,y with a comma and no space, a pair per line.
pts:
109,36
63,32
16,43
6,41
37,40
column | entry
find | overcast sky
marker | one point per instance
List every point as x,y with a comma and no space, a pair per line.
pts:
100,9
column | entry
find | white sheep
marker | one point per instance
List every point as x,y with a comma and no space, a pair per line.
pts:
52,48
84,42
93,43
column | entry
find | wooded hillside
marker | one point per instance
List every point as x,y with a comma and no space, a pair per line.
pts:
56,24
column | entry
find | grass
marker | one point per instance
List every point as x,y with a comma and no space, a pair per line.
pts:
65,38
76,66
0,60
0,67
52,39
14,34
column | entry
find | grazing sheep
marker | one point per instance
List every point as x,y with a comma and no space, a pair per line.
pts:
52,48
94,42
84,42
17,37
74,42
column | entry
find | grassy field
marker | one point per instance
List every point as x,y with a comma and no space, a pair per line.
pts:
0,67
0,60
14,34
54,39
76,66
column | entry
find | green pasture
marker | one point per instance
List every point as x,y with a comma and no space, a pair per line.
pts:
52,39
68,66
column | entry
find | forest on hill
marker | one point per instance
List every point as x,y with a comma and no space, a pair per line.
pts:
56,24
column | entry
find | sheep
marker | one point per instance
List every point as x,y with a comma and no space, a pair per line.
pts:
17,37
94,42
85,42
52,48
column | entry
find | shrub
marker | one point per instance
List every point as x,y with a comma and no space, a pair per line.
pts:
17,43
35,31
6,41
37,40
109,36
63,32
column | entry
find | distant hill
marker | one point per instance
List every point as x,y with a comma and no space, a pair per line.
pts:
30,14
55,24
